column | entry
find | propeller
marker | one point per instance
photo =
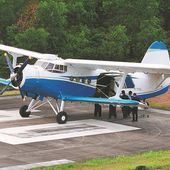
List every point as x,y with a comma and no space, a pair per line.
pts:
8,61
4,89
15,74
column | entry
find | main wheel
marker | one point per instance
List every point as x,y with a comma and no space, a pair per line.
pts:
62,117
23,111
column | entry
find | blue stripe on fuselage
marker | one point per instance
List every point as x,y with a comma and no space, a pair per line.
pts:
153,94
60,88
57,88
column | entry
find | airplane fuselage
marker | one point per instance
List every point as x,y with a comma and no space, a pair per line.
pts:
56,79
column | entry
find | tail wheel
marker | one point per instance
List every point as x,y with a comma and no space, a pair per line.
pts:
23,111
62,117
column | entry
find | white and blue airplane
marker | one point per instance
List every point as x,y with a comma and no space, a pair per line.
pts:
101,82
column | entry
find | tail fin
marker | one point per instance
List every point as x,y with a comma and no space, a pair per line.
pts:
157,53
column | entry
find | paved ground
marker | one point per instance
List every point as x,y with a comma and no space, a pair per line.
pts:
82,138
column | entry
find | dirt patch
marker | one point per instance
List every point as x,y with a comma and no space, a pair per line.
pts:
162,99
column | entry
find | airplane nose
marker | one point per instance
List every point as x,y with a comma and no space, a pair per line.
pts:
16,77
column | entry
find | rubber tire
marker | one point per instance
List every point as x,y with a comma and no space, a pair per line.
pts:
23,112
62,117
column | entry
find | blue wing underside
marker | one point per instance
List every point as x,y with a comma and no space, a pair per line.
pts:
112,101
4,81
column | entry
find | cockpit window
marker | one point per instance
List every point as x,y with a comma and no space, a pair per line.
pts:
44,65
55,68
39,63
49,67
60,69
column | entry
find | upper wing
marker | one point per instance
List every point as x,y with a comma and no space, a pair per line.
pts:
120,66
102,100
22,52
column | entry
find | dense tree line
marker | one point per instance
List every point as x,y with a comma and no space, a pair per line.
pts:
91,29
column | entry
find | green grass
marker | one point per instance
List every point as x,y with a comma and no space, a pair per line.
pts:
153,160
11,93
160,106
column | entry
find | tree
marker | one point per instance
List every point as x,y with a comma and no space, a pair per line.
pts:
165,13
51,15
77,46
9,11
151,30
109,44
132,13
33,39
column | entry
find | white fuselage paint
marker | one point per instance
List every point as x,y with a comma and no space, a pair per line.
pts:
144,82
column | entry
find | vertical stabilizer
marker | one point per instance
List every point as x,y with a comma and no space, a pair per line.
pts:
157,53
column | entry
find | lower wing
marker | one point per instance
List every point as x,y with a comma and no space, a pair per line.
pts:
112,101
4,81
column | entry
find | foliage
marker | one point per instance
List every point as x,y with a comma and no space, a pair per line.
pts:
32,38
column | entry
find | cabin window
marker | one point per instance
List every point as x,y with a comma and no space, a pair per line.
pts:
83,80
77,79
60,69
89,81
56,69
71,78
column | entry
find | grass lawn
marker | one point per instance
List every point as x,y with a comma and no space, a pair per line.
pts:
164,106
11,93
153,160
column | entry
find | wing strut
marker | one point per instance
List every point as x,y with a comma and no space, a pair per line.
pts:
121,85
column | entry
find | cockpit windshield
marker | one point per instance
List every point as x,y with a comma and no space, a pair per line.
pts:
55,68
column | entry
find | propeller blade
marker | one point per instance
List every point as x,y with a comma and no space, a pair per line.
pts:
23,65
9,63
5,88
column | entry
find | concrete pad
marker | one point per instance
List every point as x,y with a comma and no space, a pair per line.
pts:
54,131
8,115
37,165
166,112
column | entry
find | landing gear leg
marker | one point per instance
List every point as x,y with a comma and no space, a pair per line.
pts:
25,110
61,116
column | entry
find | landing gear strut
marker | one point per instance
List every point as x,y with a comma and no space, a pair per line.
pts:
61,116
